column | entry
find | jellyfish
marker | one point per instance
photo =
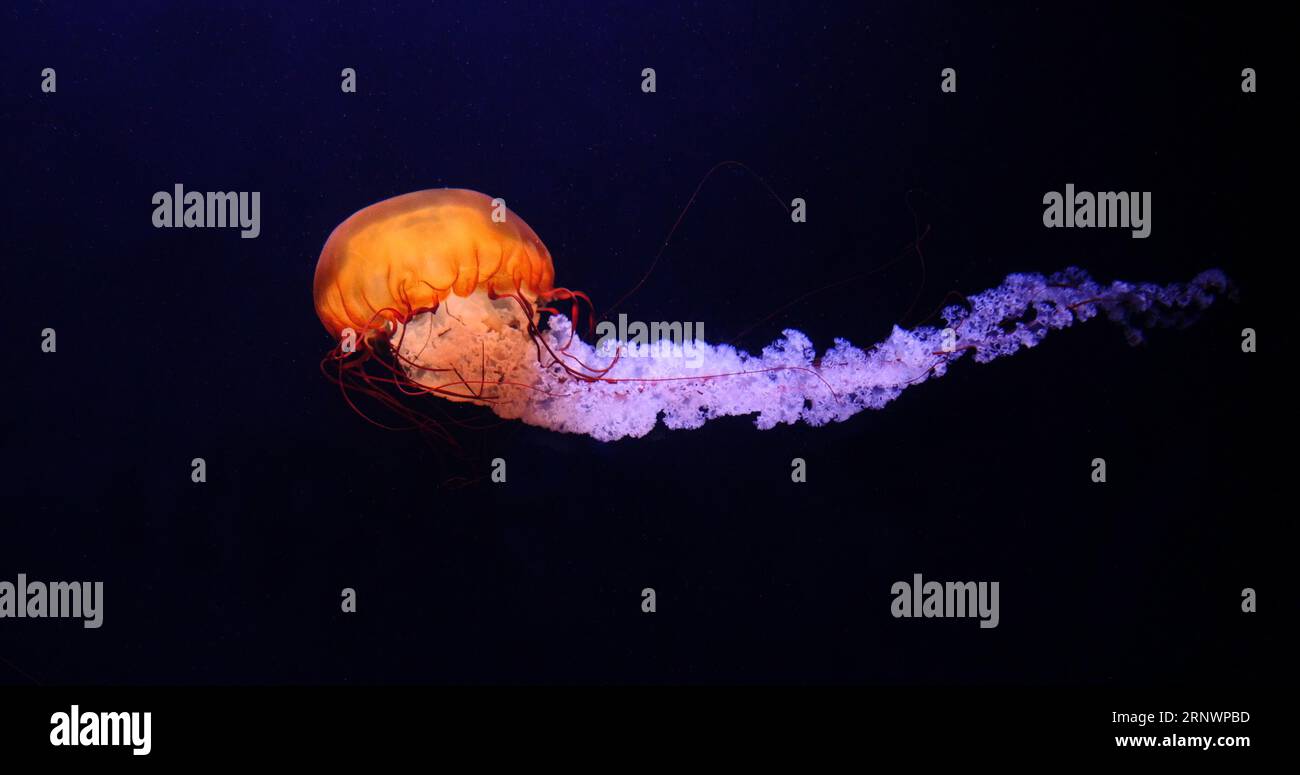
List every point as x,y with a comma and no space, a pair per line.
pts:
444,290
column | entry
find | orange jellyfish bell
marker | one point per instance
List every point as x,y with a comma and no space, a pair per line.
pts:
408,254
441,288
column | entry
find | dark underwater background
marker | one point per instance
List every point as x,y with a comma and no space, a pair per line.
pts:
175,344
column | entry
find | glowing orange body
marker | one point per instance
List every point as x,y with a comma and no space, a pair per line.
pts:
407,254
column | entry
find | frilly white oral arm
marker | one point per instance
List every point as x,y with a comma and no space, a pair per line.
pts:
787,382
